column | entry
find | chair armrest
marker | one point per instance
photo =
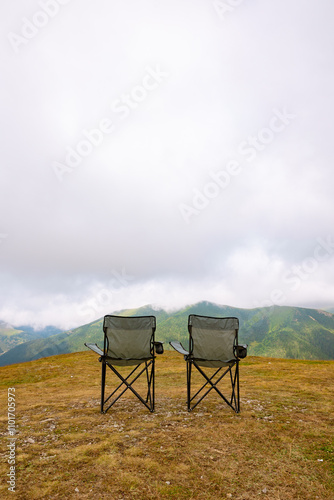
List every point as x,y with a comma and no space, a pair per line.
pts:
241,351
179,347
95,348
159,347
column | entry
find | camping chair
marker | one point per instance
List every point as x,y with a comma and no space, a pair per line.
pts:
213,343
128,341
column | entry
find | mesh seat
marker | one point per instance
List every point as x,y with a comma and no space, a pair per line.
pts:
128,341
213,344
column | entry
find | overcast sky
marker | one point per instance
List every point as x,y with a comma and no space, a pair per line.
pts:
165,152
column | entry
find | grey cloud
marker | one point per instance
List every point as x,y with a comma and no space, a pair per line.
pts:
119,208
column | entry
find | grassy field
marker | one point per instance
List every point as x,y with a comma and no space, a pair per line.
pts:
280,446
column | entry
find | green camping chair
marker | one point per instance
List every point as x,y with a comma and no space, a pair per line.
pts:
213,344
128,341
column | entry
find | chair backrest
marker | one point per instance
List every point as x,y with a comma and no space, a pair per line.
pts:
129,337
212,338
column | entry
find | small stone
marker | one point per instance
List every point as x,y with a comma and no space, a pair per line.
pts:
30,440
167,482
76,490
264,490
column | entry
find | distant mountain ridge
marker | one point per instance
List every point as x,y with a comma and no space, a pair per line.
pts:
276,331
11,336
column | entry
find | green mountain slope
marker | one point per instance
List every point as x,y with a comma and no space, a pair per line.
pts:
277,331
290,332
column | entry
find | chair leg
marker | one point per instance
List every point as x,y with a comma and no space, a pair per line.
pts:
103,381
150,385
153,386
238,394
235,388
188,384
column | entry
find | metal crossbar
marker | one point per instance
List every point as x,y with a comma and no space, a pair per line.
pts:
213,385
128,385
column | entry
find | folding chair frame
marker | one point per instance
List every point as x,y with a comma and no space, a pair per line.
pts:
135,364
150,374
234,402
230,369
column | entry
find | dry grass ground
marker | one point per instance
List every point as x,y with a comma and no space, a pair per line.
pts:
279,447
